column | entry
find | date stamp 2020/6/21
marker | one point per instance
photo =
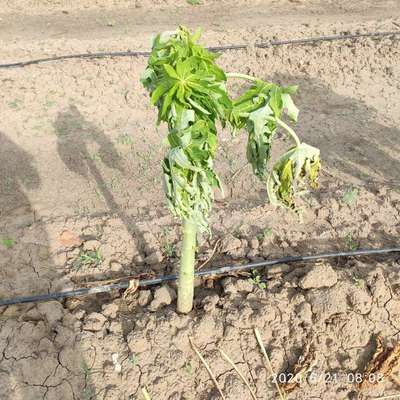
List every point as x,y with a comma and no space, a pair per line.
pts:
315,377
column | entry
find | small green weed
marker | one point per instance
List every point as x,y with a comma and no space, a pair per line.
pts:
98,193
14,104
267,232
256,280
350,196
50,103
89,393
193,2
85,369
125,139
166,230
95,157
350,242
8,242
169,249
188,368
114,183
363,175
81,209
133,359
8,183
88,257
358,281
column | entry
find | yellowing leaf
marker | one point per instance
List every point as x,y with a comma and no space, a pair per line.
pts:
292,172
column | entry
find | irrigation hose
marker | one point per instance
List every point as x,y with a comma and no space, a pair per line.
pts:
262,45
217,271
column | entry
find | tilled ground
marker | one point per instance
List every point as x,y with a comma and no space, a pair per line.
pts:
112,351
81,203
110,347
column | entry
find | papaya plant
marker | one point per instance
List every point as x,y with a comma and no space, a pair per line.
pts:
189,90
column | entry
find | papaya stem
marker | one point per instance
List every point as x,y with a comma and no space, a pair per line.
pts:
186,271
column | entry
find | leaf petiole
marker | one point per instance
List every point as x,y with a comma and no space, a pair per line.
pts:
288,129
241,76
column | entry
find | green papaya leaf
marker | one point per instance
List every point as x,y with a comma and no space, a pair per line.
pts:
259,140
189,90
198,106
275,101
177,156
185,118
159,91
166,104
289,107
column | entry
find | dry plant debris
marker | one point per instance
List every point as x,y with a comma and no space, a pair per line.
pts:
382,364
212,376
145,393
132,288
300,370
229,360
281,392
391,396
215,248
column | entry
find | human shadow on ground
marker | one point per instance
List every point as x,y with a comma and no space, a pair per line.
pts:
75,137
17,174
30,346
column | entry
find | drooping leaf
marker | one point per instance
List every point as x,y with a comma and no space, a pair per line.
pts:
275,101
293,171
159,91
170,71
289,107
189,90
259,140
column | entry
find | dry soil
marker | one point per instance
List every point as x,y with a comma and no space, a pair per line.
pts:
80,175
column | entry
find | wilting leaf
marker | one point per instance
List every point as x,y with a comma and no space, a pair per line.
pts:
289,106
189,90
259,140
293,171
259,110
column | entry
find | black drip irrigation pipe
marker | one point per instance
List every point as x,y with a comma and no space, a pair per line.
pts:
262,45
207,272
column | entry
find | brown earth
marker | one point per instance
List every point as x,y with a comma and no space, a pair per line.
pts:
79,163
